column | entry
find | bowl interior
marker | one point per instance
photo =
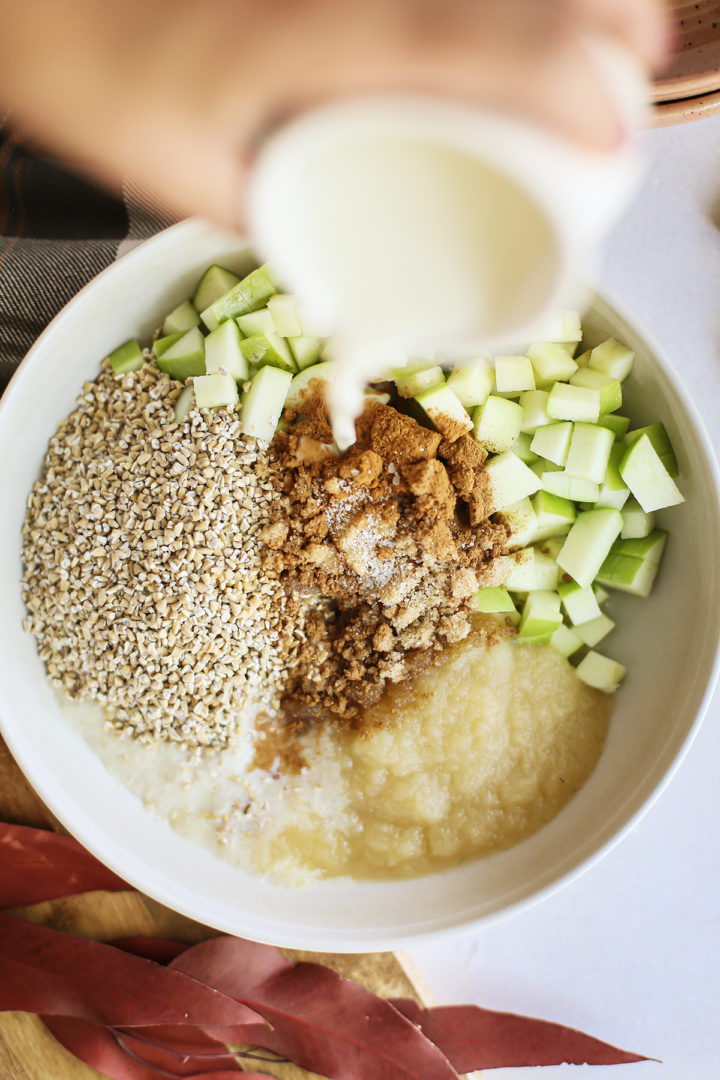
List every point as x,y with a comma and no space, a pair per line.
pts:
669,643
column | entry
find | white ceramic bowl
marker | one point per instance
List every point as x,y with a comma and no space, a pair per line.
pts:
670,644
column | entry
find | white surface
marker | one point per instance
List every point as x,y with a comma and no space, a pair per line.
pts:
630,952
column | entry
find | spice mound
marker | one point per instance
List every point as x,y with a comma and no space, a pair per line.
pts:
144,577
395,536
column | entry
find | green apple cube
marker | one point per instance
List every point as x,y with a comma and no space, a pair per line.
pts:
509,480
601,595
215,282
617,424
582,359
306,350
658,436
522,447
600,671
446,412
565,327
636,523
472,383
493,599
284,312
609,389
542,466
553,442
577,403
561,483
262,349
223,352
162,344
184,403
581,604
540,616
613,490
565,641
649,548
185,357
551,363
256,322
183,317
533,569
250,294
613,359
648,479
589,452
263,402
553,515
632,565
497,423
592,632
534,406
588,543
212,391
310,380
127,357
415,382
552,546
514,374
521,520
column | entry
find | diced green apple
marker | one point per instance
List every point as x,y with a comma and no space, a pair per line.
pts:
184,403
564,327
540,616
493,599
589,452
636,523
580,603
414,382
609,389
509,480
577,488
497,423
553,442
565,640
600,671
522,448
472,383
612,358
534,406
514,374
617,424
551,363
554,515
256,322
646,476
446,412
521,520
215,282
250,294
284,311
213,391
593,631
262,349
587,544
182,318
223,352
660,440
613,492
263,402
127,357
306,350
632,565
315,378
601,595
533,569
185,357
577,403
162,344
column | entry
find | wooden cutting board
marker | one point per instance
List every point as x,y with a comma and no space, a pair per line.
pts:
27,1049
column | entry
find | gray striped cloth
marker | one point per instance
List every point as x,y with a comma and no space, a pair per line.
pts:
57,231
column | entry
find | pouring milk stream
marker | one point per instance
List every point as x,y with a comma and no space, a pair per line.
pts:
410,226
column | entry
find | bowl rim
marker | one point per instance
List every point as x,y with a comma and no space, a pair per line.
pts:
444,926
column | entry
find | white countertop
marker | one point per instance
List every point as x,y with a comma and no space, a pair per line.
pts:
630,952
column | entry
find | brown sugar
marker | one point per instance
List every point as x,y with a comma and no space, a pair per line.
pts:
392,539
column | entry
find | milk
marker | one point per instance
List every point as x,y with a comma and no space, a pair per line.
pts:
412,226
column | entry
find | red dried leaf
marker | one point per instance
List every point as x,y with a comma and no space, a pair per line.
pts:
161,950
99,1048
320,1021
51,973
476,1038
37,865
